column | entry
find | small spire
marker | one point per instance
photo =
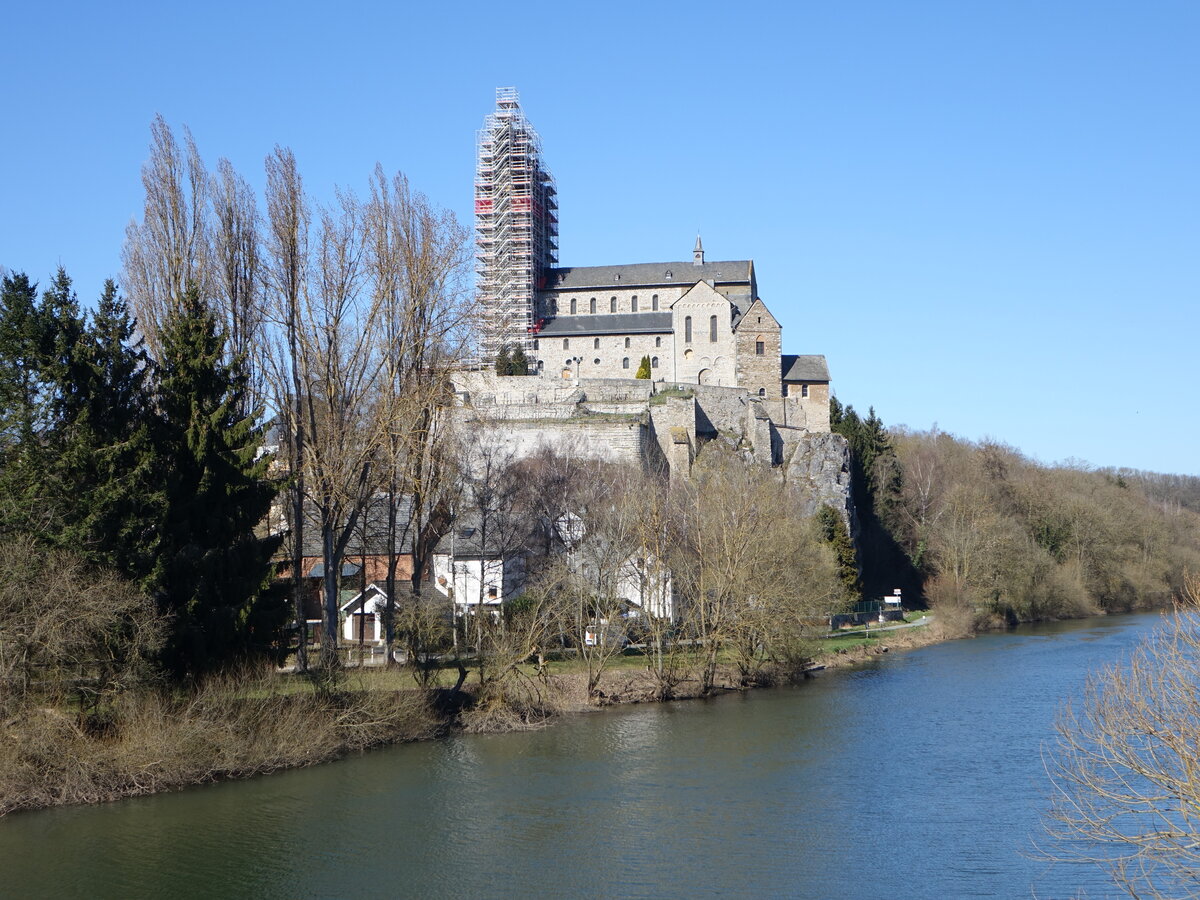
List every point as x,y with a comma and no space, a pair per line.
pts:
698,253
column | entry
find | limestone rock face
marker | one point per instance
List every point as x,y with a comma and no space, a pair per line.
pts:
818,466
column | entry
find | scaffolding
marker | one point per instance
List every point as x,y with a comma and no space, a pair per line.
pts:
516,226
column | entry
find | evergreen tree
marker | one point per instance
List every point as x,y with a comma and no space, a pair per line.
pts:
834,530
518,362
503,361
212,572
20,339
643,371
108,463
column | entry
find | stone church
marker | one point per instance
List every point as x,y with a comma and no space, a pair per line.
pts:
697,322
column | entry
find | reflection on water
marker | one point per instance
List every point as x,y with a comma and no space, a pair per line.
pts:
917,776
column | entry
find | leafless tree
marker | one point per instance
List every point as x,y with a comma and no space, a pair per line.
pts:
237,276
169,250
286,267
416,261
1126,768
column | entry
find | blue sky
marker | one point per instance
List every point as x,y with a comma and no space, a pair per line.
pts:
985,214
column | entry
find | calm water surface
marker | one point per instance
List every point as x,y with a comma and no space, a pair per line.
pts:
917,776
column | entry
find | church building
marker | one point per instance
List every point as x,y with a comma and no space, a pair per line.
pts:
697,322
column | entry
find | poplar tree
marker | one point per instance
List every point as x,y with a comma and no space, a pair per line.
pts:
212,572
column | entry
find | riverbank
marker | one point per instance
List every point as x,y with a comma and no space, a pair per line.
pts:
248,726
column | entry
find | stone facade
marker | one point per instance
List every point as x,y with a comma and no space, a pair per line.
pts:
759,346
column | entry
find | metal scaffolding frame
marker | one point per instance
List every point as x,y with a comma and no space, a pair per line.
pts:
516,225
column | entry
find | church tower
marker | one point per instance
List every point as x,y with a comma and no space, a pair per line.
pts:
516,225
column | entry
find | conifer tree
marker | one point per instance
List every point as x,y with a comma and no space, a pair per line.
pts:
503,361
212,571
643,371
518,362
834,530
107,473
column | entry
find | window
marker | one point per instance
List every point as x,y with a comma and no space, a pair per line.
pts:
804,390
596,361
633,303
762,392
535,344
625,363
592,306
626,343
553,307
572,306
658,342
654,303
712,329
687,329
760,348
612,305
595,343
566,343
654,363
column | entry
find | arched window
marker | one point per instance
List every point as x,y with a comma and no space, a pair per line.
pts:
654,303
626,343
625,363
553,307
762,392
535,344
712,329
612,305
687,329
633,303
595,343
658,342
654,363
566,343
572,306
592,306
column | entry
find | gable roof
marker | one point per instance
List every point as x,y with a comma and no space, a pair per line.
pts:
649,275
804,368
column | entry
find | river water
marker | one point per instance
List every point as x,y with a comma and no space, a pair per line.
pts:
918,775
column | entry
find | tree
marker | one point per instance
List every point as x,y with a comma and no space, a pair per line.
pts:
286,266
643,371
834,533
1124,768
169,251
213,572
503,361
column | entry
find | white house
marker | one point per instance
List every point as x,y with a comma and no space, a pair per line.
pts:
475,574
362,616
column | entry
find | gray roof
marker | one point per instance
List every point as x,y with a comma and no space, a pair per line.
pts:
371,534
648,274
619,323
804,368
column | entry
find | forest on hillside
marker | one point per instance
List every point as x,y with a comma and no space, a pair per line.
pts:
988,535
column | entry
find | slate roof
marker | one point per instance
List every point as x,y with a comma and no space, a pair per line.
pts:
647,274
372,525
804,368
619,323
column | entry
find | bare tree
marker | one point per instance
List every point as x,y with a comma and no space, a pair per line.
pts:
416,259
339,360
169,250
1126,768
237,276
286,266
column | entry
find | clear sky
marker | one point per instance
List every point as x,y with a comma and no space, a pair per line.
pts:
985,213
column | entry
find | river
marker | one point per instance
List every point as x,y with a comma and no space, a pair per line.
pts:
918,775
